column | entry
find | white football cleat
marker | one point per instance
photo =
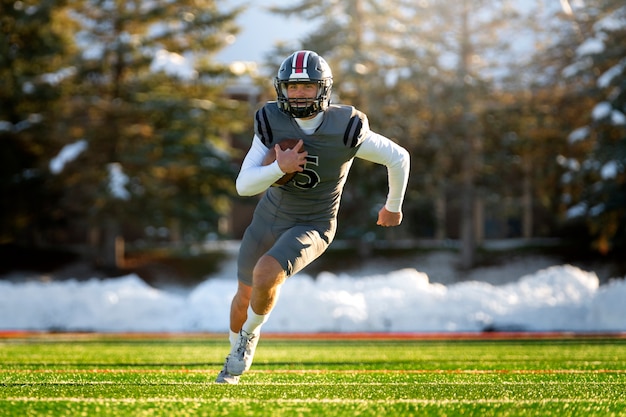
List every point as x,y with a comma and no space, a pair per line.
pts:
225,378
241,355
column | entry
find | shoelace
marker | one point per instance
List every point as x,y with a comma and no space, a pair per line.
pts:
243,343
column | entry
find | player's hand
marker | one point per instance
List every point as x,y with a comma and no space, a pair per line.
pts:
291,160
388,218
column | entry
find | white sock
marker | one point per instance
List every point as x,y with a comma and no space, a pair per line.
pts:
232,337
254,322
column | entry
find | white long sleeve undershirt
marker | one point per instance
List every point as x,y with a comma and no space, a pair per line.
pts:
381,150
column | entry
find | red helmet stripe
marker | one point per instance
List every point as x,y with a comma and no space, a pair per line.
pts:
299,63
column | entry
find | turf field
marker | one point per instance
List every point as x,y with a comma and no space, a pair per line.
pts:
326,375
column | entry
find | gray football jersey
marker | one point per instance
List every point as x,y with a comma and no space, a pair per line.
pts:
314,194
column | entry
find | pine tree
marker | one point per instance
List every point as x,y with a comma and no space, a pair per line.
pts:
34,62
597,180
149,102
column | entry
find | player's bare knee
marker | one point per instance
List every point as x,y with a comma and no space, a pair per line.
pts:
268,273
264,281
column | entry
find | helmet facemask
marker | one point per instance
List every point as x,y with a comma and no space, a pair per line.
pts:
303,107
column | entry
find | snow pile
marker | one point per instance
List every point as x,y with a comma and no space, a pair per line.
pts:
559,298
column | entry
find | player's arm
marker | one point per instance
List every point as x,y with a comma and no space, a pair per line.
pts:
254,178
381,150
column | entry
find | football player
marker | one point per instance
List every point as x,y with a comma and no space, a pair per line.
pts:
294,223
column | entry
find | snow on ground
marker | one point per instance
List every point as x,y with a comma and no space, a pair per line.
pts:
551,298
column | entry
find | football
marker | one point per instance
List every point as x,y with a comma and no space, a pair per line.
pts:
271,157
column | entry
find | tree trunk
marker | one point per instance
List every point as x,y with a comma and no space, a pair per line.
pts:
468,238
527,201
440,212
479,220
112,246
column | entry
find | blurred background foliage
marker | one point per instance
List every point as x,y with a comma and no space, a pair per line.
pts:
514,117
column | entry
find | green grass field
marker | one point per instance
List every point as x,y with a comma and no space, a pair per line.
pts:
161,375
